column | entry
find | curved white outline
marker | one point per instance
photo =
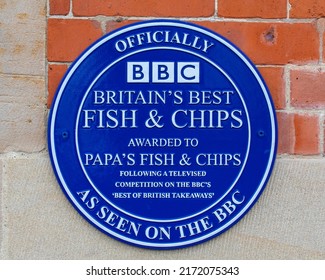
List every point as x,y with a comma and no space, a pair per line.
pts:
113,204
262,182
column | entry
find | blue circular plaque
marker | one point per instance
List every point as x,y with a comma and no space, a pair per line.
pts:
162,134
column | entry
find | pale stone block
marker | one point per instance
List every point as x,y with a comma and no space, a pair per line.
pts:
36,212
22,113
1,220
22,32
286,223
291,211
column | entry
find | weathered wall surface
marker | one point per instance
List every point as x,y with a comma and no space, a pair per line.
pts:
38,41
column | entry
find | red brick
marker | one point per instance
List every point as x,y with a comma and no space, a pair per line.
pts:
307,88
67,38
154,8
59,7
274,80
307,8
306,135
55,75
298,134
115,24
286,133
324,46
321,30
272,43
252,8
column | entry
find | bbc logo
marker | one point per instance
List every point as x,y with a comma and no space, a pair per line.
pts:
163,72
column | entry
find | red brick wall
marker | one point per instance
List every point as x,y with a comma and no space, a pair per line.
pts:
284,38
